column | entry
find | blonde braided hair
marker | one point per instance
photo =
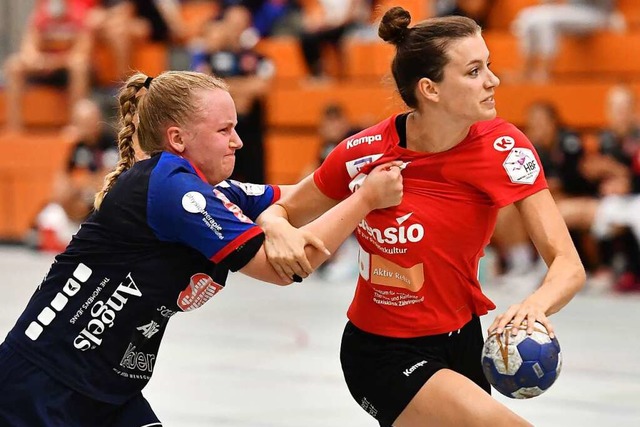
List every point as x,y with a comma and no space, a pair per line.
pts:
169,100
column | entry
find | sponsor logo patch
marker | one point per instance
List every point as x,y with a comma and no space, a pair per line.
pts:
363,140
138,361
355,166
521,166
233,208
250,189
80,275
412,369
104,313
200,289
402,234
194,202
150,329
504,143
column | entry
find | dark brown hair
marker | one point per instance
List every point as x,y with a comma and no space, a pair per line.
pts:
170,99
421,51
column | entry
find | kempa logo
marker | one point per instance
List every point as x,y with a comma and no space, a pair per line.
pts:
392,235
70,288
104,315
410,370
363,140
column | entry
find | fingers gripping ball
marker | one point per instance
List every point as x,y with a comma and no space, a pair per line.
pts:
521,366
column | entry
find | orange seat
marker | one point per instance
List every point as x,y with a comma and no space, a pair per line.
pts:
615,55
419,9
581,104
367,59
289,154
195,13
503,12
149,58
3,107
45,106
42,106
286,55
27,170
302,106
598,56
631,11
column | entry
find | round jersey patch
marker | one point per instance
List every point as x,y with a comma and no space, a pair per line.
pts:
521,166
504,143
194,202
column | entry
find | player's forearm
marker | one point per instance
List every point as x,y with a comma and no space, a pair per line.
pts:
334,226
565,278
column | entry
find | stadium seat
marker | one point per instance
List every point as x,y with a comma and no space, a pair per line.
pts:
288,154
196,12
42,107
27,170
150,58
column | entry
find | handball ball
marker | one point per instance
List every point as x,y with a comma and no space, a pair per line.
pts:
521,366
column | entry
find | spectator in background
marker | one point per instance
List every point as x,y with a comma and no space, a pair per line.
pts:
122,23
334,127
478,10
538,29
93,155
268,17
613,216
229,54
326,23
55,50
560,150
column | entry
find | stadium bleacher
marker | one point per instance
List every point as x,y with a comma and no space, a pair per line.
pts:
583,72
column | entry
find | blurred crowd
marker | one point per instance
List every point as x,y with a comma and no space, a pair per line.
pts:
592,173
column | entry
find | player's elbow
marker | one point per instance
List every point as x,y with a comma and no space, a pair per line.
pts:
579,276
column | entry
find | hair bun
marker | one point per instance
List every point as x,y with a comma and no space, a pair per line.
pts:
394,26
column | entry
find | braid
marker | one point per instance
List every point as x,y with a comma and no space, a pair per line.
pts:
128,104
168,100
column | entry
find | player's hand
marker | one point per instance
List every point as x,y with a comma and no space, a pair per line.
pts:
383,185
525,312
284,246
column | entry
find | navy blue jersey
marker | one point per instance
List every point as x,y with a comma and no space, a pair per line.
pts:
162,242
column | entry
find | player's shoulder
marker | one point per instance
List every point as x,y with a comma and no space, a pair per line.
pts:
245,188
496,127
168,166
372,139
498,135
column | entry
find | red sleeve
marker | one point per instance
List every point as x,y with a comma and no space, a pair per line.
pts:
333,176
512,169
354,155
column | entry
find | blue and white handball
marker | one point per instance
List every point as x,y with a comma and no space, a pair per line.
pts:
521,366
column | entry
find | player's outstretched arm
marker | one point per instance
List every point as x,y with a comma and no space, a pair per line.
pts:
566,275
382,188
284,243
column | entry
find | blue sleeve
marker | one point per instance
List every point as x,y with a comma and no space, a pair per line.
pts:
183,208
253,199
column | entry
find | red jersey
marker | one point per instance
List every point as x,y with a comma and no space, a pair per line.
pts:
59,22
418,261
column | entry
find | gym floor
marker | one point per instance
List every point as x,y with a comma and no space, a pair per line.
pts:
257,355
